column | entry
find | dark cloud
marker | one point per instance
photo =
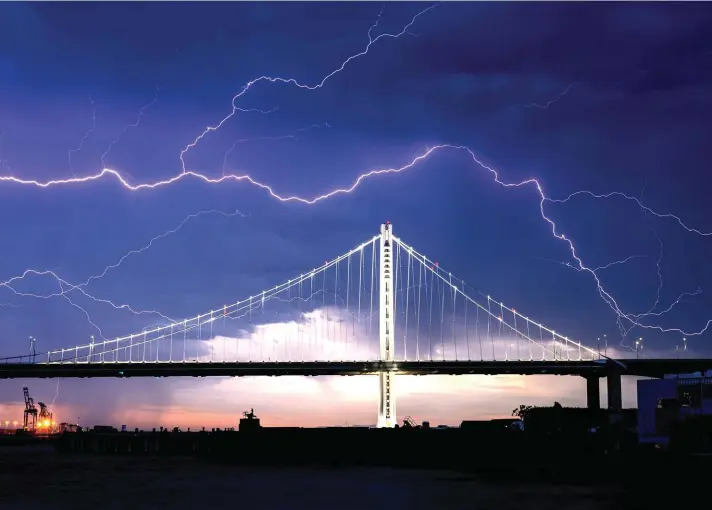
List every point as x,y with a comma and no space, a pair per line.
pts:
573,42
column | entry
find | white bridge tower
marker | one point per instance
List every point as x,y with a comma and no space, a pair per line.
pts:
386,330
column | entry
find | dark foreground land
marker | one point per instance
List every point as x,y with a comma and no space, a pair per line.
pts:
342,469
52,481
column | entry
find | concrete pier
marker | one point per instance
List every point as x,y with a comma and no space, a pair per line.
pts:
593,392
615,392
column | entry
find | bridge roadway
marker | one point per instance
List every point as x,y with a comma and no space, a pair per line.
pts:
588,369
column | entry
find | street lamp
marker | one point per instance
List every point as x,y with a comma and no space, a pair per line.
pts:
638,347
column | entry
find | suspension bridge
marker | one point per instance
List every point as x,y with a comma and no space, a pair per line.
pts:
381,308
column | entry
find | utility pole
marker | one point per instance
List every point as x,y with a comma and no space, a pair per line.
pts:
386,330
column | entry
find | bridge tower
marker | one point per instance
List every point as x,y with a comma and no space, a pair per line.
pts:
386,330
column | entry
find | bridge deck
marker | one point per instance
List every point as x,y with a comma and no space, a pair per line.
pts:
639,367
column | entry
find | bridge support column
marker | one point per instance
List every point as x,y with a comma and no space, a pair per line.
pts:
386,331
615,391
593,393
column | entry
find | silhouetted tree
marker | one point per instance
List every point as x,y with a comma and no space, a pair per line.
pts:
522,411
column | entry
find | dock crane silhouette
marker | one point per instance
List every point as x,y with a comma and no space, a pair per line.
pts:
30,410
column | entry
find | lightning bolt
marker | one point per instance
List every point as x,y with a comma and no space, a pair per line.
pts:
89,319
156,238
651,312
669,308
56,394
551,101
293,136
659,271
84,138
375,25
66,287
141,113
291,81
637,201
62,283
606,266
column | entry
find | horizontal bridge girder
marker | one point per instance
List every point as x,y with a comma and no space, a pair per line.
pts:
343,368
639,367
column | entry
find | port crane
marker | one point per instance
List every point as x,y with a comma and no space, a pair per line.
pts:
46,418
35,419
30,413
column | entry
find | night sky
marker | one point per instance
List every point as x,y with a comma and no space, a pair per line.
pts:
581,96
